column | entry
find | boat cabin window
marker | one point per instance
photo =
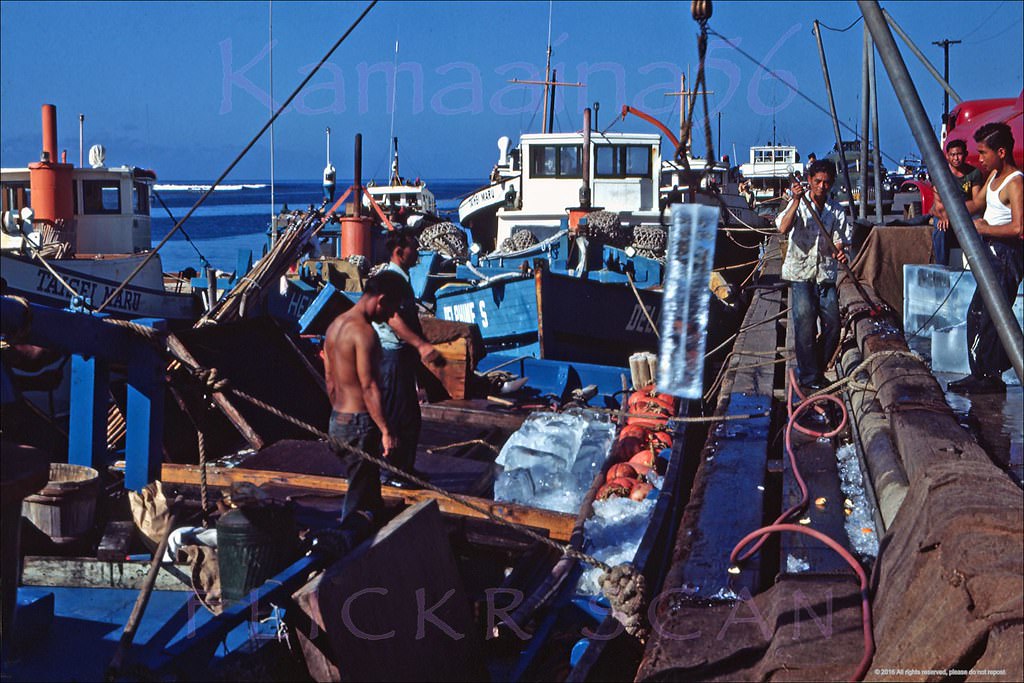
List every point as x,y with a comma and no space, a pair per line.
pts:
556,161
101,196
15,196
623,161
140,199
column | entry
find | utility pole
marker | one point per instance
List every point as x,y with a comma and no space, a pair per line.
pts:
944,44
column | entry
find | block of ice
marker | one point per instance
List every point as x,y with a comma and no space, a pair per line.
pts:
689,258
949,349
613,535
561,452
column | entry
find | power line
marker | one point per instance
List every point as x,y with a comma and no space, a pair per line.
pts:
796,90
841,30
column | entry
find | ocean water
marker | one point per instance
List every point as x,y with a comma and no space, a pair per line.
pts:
236,216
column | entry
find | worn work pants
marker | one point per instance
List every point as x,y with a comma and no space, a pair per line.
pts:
810,302
985,351
401,404
359,431
942,242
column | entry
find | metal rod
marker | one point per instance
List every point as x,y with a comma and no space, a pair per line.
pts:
835,117
920,55
876,153
974,248
865,114
81,141
551,103
585,190
357,183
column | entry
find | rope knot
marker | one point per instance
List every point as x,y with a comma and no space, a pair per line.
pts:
211,381
626,590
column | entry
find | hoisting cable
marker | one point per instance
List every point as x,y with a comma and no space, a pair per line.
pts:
773,74
238,158
202,259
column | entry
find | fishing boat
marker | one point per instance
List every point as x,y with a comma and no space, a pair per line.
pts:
405,202
72,235
769,167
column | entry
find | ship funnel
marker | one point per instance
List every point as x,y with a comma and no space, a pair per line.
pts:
50,180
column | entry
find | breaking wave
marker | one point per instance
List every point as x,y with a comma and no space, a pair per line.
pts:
173,187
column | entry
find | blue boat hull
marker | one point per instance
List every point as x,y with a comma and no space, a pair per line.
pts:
557,317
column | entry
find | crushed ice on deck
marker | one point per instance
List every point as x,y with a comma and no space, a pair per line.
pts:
613,535
860,523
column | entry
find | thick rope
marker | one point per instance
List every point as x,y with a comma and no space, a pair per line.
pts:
643,306
471,442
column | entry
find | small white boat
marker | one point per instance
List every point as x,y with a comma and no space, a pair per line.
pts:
769,168
72,235
405,202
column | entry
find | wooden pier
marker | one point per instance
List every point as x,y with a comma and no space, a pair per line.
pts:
949,522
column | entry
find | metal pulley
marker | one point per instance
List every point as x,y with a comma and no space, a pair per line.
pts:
701,10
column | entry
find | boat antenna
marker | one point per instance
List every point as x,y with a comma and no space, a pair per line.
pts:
270,51
394,98
547,70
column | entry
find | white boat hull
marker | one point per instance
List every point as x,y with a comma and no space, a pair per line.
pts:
96,279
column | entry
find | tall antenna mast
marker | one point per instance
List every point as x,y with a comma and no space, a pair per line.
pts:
547,70
394,97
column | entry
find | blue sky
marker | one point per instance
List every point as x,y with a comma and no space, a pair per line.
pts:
181,87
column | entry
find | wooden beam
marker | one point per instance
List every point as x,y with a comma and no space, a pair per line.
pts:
86,572
559,525
254,440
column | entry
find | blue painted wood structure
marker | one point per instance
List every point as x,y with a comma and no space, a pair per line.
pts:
560,378
555,316
94,345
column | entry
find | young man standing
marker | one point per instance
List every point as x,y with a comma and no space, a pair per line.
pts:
403,347
969,178
811,268
352,368
1001,229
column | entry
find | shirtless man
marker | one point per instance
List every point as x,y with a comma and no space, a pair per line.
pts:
352,368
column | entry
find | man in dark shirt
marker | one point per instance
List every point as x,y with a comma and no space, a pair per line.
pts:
969,179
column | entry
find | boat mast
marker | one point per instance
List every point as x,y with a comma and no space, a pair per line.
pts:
273,211
394,95
547,72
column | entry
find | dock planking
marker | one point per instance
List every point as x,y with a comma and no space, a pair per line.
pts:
728,496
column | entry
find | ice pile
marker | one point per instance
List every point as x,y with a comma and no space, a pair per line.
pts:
613,535
552,459
860,524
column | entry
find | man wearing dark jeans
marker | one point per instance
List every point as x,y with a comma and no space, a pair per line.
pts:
969,180
352,369
811,267
402,348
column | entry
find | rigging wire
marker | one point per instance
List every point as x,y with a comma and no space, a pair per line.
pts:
841,30
796,90
984,21
117,291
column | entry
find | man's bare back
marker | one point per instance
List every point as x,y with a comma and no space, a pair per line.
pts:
352,353
350,343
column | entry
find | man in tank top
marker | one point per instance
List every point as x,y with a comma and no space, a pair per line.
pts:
1001,229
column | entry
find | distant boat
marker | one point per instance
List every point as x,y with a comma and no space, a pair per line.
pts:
769,168
71,232
407,202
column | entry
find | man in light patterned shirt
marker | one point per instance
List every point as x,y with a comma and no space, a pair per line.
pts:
811,267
